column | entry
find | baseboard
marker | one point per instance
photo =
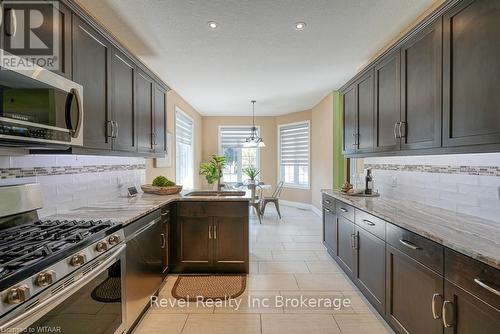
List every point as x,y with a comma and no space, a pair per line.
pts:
316,210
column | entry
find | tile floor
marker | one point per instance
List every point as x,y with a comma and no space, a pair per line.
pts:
287,261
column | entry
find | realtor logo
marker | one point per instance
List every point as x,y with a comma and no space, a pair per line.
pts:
30,31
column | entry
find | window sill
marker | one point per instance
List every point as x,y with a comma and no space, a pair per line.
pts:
295,186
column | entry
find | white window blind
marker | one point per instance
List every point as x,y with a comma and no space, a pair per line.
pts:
233,136
184,150
294,154
231,140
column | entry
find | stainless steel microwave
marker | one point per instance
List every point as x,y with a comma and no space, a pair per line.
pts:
39,107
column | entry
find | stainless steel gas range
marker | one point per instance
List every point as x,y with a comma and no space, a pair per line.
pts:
58,275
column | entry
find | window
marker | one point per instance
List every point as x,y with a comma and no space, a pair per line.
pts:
231,139
183,149
293,153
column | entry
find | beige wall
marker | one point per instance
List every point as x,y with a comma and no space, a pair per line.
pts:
321,148
175,100
268,158
295,194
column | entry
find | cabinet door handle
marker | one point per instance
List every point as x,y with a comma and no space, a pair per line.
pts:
396,130
215,231
116,129
486,286
402,129
163,240
343,209
409,244
435,296
110,129
210,232
369,223
447,322
13,23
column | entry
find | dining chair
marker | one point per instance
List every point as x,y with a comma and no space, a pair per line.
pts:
273,199
255,201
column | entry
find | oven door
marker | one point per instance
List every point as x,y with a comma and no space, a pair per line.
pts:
87,301
39,106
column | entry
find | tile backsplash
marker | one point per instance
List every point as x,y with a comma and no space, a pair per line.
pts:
467,183
71,181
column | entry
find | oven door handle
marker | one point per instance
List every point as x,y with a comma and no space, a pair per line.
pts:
28,317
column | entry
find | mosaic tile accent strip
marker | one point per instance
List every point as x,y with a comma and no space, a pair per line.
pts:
12,173
464,170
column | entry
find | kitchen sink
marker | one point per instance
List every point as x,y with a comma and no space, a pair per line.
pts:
210,193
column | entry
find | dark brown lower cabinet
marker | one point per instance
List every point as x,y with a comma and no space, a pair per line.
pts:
330,231
230,241
370,267
346,254
211,237
463,313
411,289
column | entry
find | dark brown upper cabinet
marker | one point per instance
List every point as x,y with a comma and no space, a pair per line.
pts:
350,119
471,81
387,103
59,32
91,69
63,31
421,70
364,136
160,120
358,115
123,103
144,89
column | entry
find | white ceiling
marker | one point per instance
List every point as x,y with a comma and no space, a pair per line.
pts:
255,53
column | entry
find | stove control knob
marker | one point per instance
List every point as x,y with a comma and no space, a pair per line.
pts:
78,260
45,278
114,239
17,295
101,246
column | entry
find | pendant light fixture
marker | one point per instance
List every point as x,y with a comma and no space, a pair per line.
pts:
254,140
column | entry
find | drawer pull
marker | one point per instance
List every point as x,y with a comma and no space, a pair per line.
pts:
327,201
409,244
369,223
434,308
486,286
328,210
344,210
446,318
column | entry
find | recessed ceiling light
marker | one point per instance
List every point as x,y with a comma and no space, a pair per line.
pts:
300,25
212,24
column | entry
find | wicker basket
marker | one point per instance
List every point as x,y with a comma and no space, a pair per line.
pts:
150,189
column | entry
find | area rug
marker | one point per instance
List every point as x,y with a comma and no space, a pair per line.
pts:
108,291
208,287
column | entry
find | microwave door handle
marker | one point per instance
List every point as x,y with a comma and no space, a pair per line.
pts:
75,98
27,318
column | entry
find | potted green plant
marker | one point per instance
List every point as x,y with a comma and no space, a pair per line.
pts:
252,173
212,170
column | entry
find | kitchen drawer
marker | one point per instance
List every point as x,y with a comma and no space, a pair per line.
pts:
212,209
329,203
345,210
476,277
372,224
423,250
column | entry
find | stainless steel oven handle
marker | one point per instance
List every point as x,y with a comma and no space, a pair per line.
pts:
50,303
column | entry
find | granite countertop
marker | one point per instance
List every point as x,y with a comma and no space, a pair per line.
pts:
125,210
469,235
